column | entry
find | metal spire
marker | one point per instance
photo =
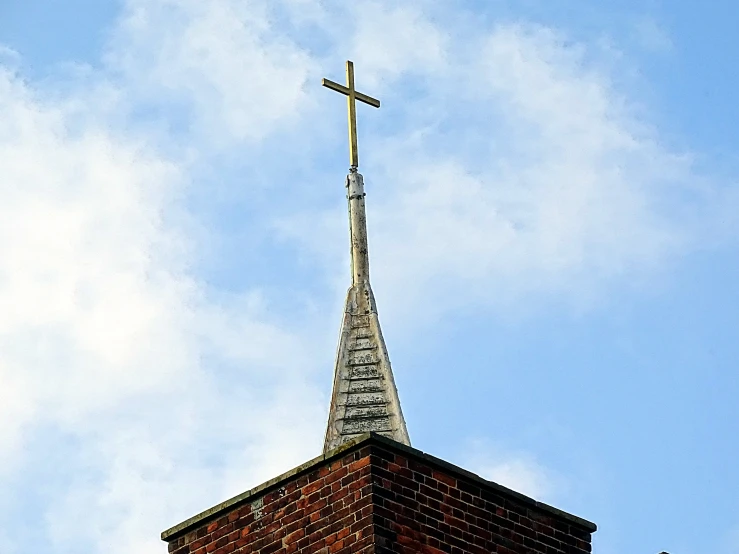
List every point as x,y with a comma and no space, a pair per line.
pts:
364,394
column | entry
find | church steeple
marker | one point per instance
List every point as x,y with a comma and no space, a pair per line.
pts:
332,502
364,396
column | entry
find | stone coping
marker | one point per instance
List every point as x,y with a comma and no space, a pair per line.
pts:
355,444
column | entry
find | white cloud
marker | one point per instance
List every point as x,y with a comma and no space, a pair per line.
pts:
730,541
85,266
9,57
526,173
652,36
156,468
168,398
517,471
390,40
225,60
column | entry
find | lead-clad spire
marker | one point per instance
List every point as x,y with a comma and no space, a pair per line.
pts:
364,395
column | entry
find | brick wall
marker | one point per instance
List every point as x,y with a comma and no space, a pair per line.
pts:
327,509
377,496
422,508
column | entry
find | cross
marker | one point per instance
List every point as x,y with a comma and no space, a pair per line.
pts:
352,96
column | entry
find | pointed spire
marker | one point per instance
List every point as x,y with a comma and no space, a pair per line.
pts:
364,396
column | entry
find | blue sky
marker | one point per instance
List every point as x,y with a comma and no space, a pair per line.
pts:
552,200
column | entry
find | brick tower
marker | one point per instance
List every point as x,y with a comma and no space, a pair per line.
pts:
370,492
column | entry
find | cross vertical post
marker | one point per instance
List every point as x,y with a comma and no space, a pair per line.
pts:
352,96
352,107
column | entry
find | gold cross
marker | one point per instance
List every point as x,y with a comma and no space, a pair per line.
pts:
352,95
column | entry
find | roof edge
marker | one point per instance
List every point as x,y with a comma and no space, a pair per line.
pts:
367,438
215,511
571,518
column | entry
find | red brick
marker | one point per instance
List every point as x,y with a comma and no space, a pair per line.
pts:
313,487
380,500
292,537
444,478
336,547
359,464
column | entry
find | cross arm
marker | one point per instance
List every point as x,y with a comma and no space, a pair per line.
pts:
344,90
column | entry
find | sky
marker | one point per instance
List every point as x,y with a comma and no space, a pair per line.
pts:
552,203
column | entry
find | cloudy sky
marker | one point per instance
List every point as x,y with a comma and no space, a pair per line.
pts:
552,200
